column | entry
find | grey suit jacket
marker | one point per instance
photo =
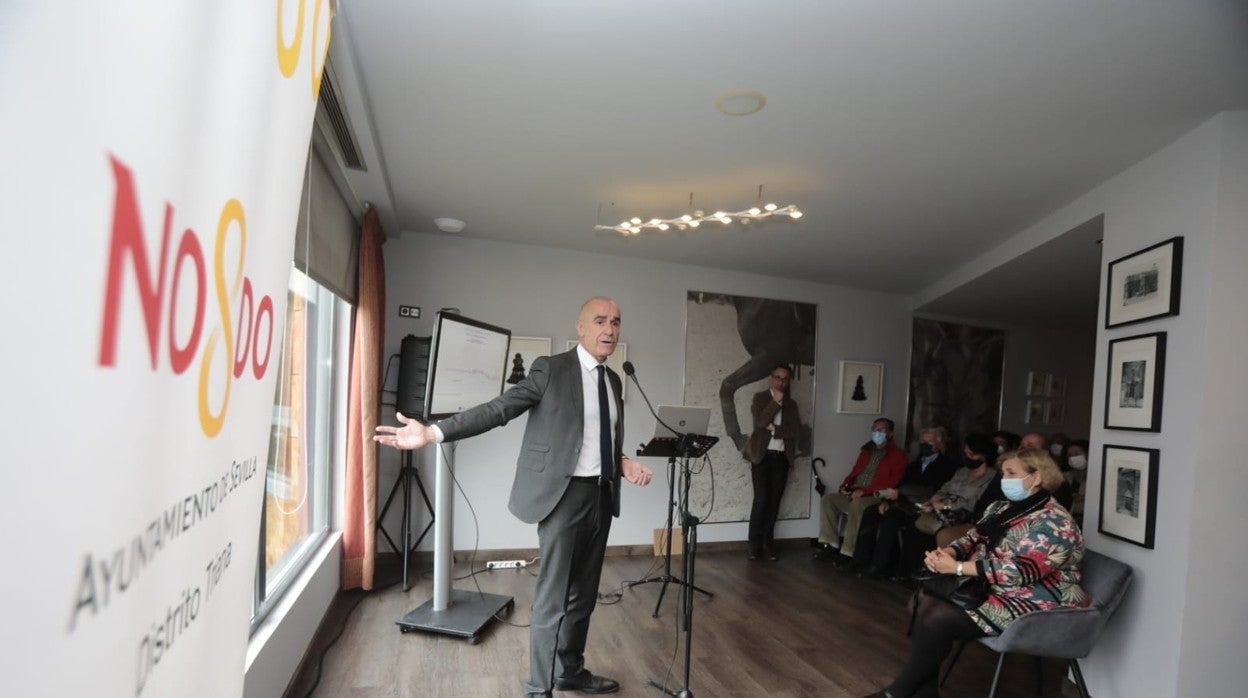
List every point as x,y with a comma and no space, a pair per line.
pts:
552,395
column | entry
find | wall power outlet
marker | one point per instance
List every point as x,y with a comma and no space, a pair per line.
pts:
505,564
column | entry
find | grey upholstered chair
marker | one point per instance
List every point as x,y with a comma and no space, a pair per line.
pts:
1066,633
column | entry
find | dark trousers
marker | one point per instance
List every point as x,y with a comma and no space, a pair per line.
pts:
572,541
938,624
904,551
770,476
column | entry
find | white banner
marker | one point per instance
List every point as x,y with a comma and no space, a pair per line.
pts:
153,154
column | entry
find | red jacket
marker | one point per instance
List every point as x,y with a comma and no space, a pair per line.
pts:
887,474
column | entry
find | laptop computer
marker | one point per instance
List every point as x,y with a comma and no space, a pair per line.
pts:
682,418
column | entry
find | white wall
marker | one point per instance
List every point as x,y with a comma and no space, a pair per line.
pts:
1215,626
538,292
1182,621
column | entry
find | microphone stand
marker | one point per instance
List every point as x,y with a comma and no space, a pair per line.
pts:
667,577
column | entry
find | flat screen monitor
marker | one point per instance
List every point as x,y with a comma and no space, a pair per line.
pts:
467,365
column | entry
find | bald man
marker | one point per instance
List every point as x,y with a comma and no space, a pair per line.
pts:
567,482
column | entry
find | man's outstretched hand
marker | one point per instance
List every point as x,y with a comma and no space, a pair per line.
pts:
412,434
635,472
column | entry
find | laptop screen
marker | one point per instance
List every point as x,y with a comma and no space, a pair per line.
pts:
685,419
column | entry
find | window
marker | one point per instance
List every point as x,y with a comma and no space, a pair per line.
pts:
297,502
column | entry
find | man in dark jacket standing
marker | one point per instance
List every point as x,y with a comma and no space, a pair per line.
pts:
770,450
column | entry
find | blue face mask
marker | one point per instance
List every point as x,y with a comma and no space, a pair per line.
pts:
878,438
1013,489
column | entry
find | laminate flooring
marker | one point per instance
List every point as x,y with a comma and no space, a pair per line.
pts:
794,627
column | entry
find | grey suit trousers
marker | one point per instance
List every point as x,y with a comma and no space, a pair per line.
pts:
572,541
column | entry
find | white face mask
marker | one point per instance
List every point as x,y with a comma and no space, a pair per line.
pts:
1078,462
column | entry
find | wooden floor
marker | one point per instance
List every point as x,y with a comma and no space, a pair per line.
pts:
794,627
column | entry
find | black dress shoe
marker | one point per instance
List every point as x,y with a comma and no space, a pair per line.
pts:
843,563
825,552
753,555
586,682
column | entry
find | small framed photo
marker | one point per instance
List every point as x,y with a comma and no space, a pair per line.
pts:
1056,386
1129,493
861,389
1037,382
1144,285
522,351
615,362
1055,412
1035,412
1136,376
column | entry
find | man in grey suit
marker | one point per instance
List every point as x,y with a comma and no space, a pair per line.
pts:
567,482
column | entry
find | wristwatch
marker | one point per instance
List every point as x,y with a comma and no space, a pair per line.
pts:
958,572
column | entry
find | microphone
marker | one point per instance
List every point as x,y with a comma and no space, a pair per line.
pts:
631,372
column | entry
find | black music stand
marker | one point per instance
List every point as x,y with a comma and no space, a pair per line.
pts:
407,473
683,447
689,533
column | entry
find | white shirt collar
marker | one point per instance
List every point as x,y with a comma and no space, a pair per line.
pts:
587,360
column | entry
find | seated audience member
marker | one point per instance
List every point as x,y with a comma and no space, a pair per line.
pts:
1034,439
922,478
880,466
1058,443
954,503
1006,441
1027,549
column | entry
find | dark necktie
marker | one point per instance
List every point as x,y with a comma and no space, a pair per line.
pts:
606,448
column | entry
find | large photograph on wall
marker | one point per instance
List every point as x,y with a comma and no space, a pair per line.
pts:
731,345
955,378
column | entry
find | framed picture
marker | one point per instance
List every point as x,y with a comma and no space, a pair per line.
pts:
861,389
522,351
1129,493
1056,386
615,361
1144,285
1035,412
1136,376
1055,412
1037,382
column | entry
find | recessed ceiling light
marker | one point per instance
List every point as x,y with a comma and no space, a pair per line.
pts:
740,102
449,225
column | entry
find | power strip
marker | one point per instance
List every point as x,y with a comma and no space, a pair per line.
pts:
506,564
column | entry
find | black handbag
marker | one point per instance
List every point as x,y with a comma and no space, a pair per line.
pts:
966,592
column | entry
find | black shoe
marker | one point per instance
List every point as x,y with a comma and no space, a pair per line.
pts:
753,555
585,682
769,553
843,563
825,552
872,573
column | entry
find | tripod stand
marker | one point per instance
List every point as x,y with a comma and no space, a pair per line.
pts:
667,577
407,473
689,533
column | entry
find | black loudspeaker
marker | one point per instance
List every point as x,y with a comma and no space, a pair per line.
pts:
413,375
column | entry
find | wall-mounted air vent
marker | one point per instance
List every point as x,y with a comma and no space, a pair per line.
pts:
332,117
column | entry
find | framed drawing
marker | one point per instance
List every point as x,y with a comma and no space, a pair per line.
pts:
1144,285
861,388
1037,382
1035,412
1136,375
1129,493
1055,412
615,361
1056,386
522,352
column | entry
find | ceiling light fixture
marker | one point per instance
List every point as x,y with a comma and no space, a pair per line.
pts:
634,226
740,102
449,225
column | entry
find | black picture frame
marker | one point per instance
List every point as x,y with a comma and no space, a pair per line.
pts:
1129,484
1135,382
1144,285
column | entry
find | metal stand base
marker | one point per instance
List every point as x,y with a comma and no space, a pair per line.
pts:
468,613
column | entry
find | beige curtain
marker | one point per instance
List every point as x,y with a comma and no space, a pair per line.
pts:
359,536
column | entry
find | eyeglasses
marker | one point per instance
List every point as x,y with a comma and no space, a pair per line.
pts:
774,377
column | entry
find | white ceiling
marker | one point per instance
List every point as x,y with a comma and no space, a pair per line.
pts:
914,135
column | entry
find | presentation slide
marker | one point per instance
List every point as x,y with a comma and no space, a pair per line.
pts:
469,366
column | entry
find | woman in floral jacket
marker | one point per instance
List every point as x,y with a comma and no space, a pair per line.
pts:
1027,548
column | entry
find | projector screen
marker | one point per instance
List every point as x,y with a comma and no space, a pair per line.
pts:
468,362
